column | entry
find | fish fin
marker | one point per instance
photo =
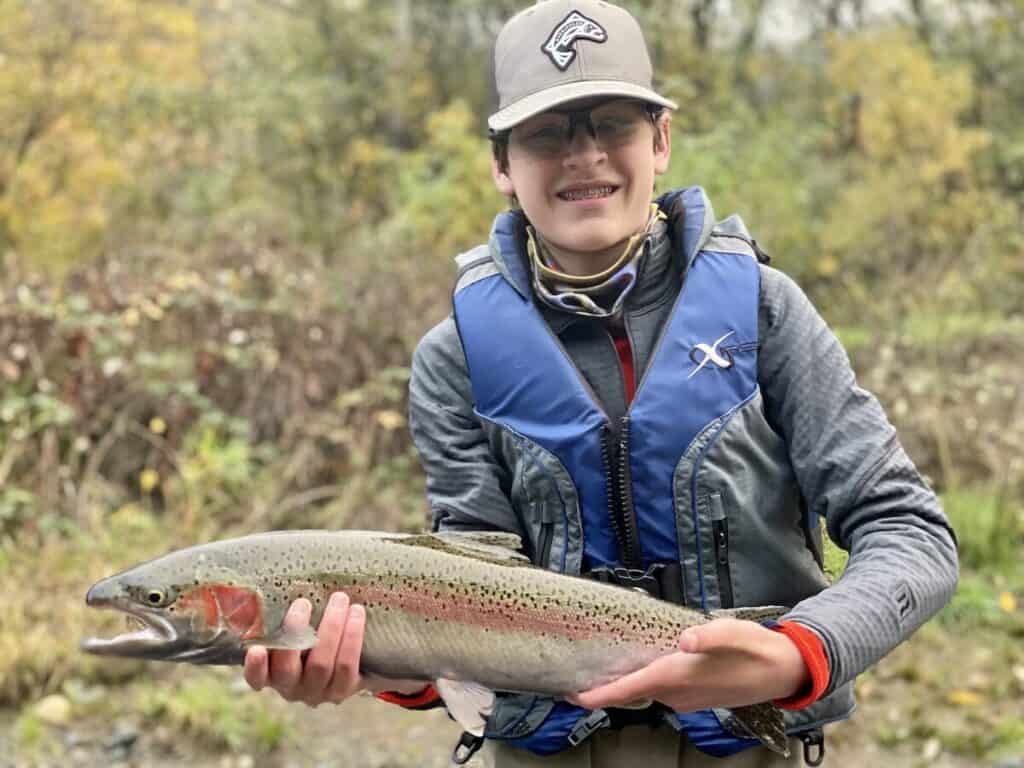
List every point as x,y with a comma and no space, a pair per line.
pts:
490,546
469,703
758,721
755,613
638,704
288,639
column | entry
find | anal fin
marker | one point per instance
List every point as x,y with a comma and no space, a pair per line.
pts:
469,703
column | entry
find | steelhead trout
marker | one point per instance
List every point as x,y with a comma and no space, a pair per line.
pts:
465,611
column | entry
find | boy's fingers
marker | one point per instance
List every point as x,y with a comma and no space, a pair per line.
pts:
286,666
319,667
256,667
346,667
645,683
718,635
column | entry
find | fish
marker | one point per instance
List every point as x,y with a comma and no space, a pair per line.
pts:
466,611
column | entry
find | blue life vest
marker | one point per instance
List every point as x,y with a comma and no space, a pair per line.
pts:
523,380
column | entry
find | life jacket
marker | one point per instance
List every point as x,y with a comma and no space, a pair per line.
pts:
703,369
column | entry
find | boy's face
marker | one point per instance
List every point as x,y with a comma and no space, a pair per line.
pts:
589,193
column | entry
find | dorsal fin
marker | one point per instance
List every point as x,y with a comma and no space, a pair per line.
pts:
491,546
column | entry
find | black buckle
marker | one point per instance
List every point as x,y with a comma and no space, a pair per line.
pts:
586,727
467,746
813,740
660,580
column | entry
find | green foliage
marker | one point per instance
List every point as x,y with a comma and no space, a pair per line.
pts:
990,528
255,206
980,602
835,558
445,190
207,707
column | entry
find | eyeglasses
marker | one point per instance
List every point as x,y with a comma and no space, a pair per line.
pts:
612,125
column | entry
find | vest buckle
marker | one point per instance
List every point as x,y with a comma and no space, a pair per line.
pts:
660,580
814,746
586,727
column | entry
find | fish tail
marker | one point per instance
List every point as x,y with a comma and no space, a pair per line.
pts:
762,722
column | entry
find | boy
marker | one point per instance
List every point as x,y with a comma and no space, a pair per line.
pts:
631,388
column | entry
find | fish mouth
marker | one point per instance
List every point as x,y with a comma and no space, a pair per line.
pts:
156,635
161,637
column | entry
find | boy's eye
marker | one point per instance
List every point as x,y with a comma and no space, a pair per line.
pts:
614,128
546,134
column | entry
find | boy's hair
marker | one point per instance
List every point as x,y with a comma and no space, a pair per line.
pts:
499,139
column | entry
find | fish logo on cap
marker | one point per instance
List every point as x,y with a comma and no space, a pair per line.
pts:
561,43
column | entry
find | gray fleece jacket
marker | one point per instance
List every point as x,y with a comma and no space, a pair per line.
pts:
836,442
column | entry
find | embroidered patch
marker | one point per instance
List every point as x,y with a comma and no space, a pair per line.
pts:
561,43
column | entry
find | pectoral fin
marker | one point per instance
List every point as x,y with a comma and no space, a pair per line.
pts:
469,703
288,639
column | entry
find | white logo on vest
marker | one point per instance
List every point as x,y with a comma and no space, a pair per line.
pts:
722,359
561,44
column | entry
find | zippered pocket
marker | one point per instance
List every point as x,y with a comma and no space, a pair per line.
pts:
720,534
544,514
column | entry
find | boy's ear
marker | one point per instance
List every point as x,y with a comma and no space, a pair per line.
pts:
663,147
501,179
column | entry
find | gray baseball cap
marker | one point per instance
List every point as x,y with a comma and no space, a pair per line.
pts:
562,50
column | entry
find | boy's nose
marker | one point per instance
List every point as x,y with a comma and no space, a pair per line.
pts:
583,148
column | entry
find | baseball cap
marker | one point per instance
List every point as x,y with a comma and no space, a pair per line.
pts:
562,50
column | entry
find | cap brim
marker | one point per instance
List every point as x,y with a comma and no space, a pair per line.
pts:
536,103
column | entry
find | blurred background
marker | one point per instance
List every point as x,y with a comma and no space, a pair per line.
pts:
224,224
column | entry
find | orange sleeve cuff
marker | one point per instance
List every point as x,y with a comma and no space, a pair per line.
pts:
425,699
813,651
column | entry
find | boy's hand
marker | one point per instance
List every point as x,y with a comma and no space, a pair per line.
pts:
331,670
724,663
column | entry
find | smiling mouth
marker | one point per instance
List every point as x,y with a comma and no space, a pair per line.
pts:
587,193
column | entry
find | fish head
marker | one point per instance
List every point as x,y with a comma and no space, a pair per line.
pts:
190,609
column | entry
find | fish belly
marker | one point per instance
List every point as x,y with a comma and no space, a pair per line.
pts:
399,644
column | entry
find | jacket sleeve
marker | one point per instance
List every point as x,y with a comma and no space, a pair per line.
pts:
467,486
852,471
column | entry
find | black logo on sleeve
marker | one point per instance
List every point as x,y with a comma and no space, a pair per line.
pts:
561,43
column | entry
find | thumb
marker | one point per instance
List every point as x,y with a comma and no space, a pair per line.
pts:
715,635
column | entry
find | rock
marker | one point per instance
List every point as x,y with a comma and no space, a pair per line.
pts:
54,710
122,739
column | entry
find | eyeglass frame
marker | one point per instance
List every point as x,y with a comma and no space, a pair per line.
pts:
500,139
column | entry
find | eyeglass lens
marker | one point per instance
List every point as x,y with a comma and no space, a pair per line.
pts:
611,125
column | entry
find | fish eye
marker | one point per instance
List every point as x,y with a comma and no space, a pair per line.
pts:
155,597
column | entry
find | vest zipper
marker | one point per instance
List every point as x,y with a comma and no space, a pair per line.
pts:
626,508
720,534
620,496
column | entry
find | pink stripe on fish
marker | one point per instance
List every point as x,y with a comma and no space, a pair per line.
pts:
517,616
